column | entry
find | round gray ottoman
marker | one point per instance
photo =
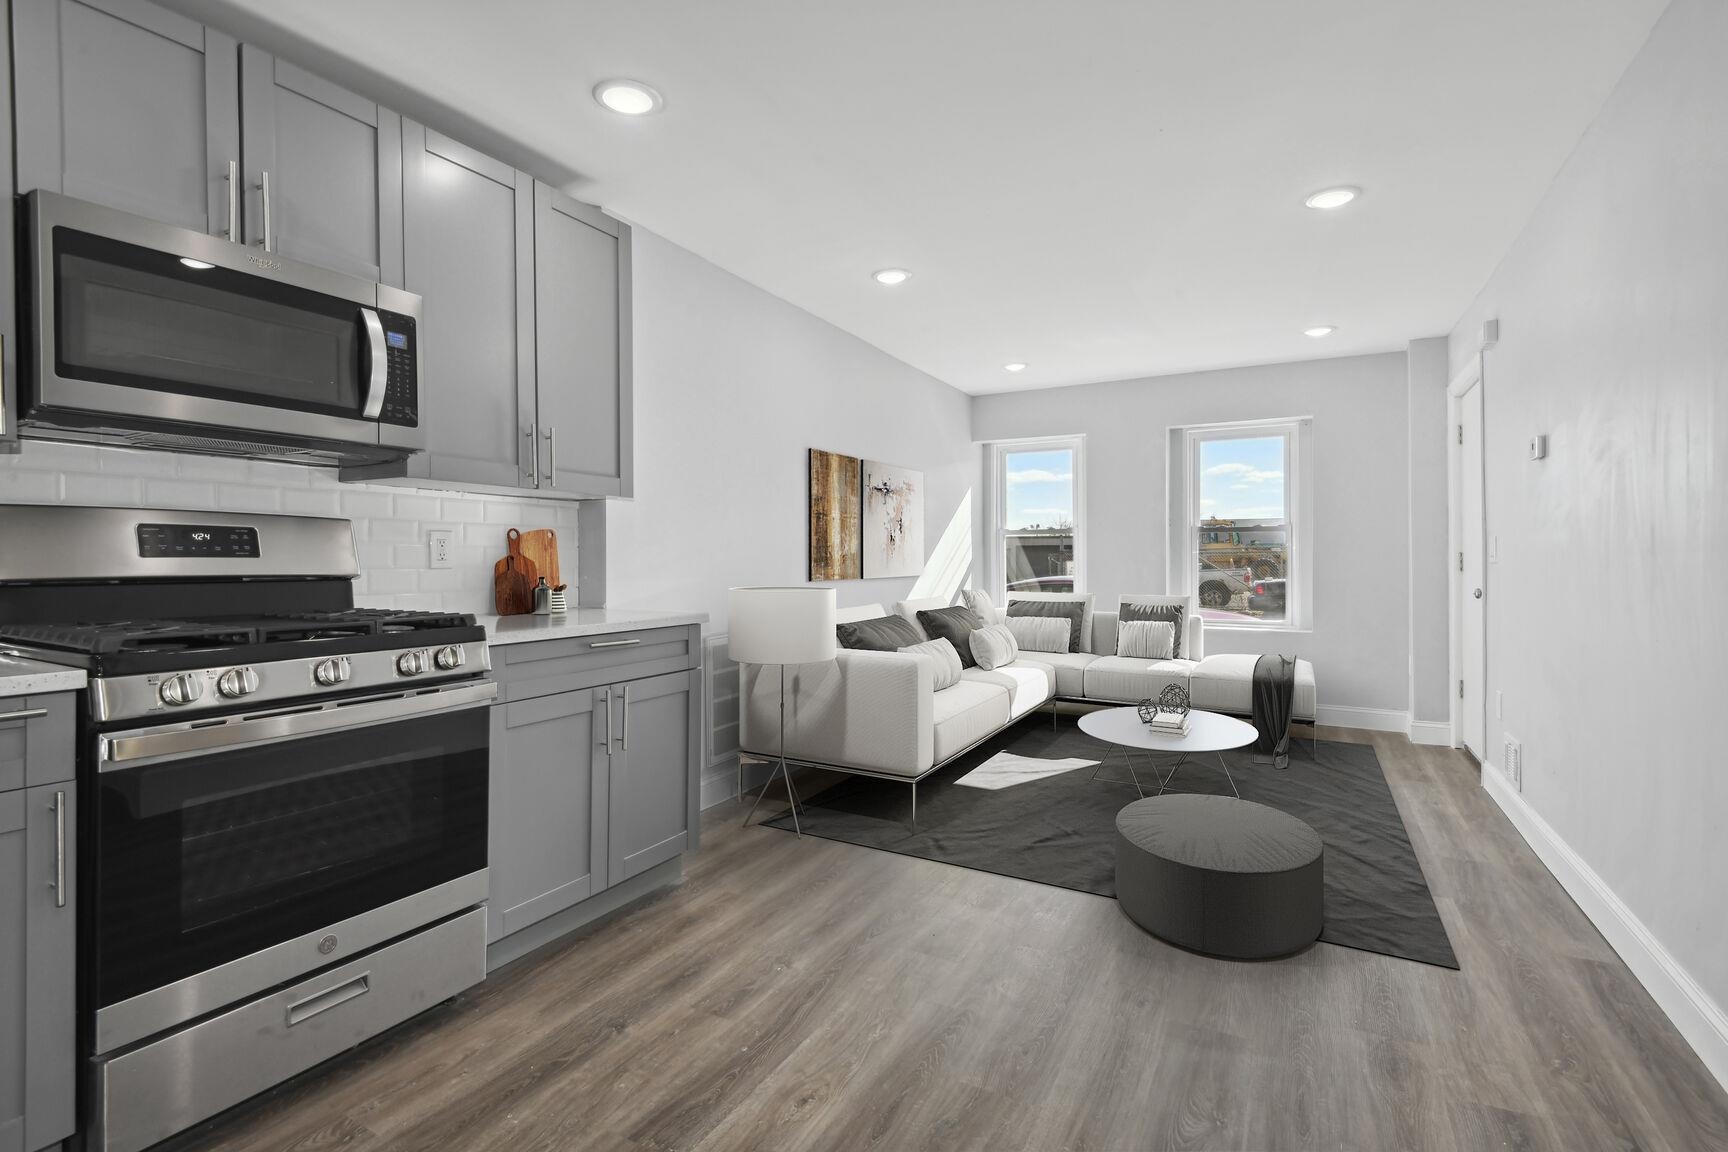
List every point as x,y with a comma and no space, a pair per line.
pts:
1219,875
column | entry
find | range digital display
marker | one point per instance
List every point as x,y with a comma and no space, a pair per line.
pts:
224,540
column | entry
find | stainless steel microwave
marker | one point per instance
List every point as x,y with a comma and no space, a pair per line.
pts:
147,335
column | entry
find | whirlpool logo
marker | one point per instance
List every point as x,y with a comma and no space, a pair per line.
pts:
264,262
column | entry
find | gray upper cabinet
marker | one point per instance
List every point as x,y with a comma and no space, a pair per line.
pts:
547,807
652,800
582,346
38,1064
129,105
470,256
322,171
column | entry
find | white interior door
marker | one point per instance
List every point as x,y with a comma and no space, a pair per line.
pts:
1472,587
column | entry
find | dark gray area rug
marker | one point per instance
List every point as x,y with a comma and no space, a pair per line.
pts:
1060,829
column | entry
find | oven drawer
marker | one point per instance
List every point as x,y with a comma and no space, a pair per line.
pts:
543,667
163,1087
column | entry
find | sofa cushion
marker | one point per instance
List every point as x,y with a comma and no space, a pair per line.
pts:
883,634
956,625
993,646
979,601
1075,607
1147,639
1040,633
910,609
945,662
1128,680
1225,683
1027,682
1171,608
1070,670
966,713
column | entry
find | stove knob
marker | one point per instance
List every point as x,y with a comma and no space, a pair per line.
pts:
411,663
450,657
181,689
237,682
333,671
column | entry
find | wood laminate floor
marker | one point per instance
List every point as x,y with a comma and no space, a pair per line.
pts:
804,994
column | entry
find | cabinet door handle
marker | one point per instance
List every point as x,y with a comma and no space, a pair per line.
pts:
233,179
26,714
607,703
552,455
59,849
534,453
625,745
591,644
264,187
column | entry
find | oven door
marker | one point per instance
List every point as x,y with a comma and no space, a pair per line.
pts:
135,320
232,856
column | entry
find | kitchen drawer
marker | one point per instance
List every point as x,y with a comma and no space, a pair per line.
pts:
542,667
36,741
157,1089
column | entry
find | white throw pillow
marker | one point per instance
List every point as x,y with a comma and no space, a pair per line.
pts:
1145,639
979,601
993,646
1084,599
1039,633
943,659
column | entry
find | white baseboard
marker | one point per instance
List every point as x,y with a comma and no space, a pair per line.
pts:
1699,1018
1437,732
1373,719
719,782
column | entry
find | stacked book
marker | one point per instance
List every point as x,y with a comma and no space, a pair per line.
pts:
1169,721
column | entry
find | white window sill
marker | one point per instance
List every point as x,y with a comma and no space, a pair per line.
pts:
1258,629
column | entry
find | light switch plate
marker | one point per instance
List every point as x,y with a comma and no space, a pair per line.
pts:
438,544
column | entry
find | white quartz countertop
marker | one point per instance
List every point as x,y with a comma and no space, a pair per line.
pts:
21,677
581,622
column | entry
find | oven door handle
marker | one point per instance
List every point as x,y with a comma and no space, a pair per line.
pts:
120,751
377,364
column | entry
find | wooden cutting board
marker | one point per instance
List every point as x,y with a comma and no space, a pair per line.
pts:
513,579
540,548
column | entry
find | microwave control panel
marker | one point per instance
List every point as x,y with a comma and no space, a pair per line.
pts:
402,382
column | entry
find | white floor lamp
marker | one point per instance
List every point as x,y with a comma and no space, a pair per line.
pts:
780,626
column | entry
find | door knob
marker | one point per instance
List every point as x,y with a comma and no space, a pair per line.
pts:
1478,593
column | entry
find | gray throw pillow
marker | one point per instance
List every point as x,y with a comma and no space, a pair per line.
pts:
1176,614
883,634
942,657
993,647
954,625
1074,611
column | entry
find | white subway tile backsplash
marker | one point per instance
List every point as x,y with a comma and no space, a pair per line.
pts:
390,523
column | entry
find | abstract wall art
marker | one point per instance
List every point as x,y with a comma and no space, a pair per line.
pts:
893,521
836,503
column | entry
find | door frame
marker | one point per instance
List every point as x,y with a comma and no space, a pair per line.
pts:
1472,375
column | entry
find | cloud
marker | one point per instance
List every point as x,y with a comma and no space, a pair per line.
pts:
1039,476
1045,513
1244,475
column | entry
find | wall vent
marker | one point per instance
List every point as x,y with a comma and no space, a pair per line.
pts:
1513,763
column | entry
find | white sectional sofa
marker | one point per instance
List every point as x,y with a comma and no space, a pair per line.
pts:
878,713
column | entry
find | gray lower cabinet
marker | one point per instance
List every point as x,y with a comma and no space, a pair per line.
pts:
8,261
322,170
38,880
582,346
595,753
129,105
548,808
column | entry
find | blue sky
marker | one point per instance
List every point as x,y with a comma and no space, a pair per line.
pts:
1242,479
1040,488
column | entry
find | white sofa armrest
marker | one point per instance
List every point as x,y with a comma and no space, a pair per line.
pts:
870,710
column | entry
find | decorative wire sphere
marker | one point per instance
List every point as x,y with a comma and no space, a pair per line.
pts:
1174,698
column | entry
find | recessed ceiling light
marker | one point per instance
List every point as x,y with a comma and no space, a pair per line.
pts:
629,97
1319,331
891,276
1015,367
198,264
1328,198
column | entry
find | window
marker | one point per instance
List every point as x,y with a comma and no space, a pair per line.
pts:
1038,517
1239,544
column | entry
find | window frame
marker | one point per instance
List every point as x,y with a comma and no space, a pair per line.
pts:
1000,450
1183,553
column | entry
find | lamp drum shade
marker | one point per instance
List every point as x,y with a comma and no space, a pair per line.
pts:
780,625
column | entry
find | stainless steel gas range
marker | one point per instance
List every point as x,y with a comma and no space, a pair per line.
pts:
282,799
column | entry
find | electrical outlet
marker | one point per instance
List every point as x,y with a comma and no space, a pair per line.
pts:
438,543
1514,763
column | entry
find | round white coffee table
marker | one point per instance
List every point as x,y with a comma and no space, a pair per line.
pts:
1207,732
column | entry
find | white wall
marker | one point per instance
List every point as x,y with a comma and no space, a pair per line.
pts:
1613,309
1360,642
390,523
1430,637
733,387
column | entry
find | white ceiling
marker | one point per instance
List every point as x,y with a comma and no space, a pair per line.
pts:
1100,189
